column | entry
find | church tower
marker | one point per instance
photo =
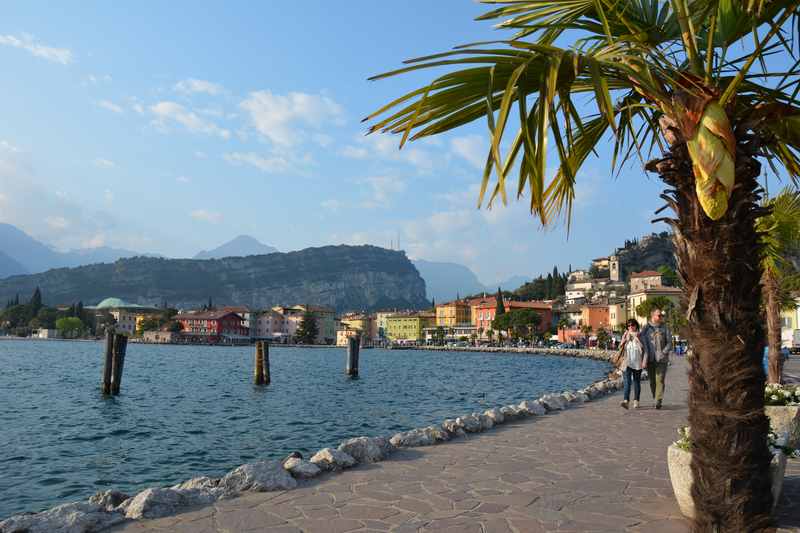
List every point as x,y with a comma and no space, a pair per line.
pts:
613,268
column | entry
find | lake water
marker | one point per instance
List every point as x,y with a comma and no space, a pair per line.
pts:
190,410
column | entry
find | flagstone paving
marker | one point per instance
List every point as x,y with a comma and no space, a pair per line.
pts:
595,468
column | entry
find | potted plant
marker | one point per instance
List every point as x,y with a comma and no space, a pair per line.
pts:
679,461
782,406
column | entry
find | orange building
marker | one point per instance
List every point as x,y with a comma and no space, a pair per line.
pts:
597,316
453,313
485,313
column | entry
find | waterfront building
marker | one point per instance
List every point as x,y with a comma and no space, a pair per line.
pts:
458,333
126,314
453,313
161,337
408,326
325,317
380,323
359,322
649,279
247,315
44,333
269,325
486,314
637,298
212,326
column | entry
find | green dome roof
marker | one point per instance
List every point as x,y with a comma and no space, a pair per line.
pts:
110,303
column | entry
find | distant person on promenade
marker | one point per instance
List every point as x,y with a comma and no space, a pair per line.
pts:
657,340
633,360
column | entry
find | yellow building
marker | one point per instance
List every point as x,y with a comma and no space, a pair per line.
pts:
635,299
408,327
453,313
361,323
617,315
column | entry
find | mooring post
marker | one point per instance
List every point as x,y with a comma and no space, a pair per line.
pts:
107,363
267,377
118,362
353,344
258,371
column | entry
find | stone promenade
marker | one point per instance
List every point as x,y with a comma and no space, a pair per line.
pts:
594,467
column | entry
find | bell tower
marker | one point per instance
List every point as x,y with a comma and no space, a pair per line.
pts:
613,268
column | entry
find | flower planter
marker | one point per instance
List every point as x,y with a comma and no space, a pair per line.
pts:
680,473
785,420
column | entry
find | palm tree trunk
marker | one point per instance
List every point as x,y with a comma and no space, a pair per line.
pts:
718,264
773,306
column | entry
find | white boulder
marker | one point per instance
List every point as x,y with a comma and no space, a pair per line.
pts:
300,468
367,449
332,459
75,517
263,476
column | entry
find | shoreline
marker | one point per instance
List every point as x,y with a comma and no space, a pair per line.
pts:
109,508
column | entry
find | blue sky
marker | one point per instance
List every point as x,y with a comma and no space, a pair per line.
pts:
173,127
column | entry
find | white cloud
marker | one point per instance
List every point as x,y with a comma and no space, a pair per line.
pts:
5,145
166,112
57,222
192,85
139,108
331,204
183,179
271,163
472,148
29,43
103,163
201,155
383,190
94,80
387,147
281,118
95,241
108,195
206,216
111,106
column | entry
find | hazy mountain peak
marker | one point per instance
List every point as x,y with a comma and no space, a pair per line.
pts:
240,246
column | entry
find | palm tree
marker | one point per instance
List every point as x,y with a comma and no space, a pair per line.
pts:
679,78
780,232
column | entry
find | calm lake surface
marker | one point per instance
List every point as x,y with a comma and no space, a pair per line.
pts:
188,410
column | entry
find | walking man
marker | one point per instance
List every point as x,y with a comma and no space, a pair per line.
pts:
657,341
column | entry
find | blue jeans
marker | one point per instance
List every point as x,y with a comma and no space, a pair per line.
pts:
635,376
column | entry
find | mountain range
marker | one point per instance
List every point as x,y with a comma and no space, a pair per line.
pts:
22,254
447,281
342,277
241,246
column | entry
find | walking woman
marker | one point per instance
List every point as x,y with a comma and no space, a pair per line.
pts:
633,361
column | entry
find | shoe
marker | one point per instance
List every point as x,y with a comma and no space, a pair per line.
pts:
635,404
658,404
624,404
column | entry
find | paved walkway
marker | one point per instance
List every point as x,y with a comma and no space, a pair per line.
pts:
595,467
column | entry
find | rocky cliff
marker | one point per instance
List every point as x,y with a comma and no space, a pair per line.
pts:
647,253
342,277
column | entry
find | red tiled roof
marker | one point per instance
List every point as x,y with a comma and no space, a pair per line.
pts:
645,274
208,315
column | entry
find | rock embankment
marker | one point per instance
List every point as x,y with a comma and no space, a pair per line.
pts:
109,508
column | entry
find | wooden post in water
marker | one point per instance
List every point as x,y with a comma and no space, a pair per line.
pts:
118,362
107,363
353,345
267,377
261,371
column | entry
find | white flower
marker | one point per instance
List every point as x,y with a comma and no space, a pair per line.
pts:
773,398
